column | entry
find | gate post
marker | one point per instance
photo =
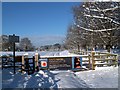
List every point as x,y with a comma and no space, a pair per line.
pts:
36,61
80,61
89,61
116,60
93,60
23,64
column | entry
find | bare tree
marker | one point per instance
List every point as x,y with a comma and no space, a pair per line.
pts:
99,22
25,44
5,45
73,38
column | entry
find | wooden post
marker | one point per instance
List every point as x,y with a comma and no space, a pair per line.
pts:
33,64
24,60
93,61
36,61
89,62
116,60
23,64
107,57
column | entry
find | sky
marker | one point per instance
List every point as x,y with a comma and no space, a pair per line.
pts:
43,22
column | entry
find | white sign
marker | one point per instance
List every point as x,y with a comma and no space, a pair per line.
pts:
43,63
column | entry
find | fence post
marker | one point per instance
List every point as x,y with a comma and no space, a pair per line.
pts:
23,64
33,64
116,60
36,61
89,62
81,61
93,61
25,56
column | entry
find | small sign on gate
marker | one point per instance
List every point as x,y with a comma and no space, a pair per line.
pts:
43,63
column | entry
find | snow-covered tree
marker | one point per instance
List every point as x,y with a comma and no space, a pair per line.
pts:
99,22
73,38
25,44
5,44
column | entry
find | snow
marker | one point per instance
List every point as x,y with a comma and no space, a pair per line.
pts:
101,30
101,17
104,10
43,79
102,77
42,53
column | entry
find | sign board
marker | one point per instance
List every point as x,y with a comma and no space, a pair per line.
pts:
43,63
13,38
60,63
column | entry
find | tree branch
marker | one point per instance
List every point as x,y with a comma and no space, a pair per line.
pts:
101,30
101,17
104,10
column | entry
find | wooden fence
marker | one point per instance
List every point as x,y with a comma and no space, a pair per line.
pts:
22,63
105,59
100,59
90,61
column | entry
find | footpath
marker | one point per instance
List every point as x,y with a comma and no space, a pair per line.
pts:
68,79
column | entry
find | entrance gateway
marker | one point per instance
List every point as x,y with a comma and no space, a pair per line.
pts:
59,63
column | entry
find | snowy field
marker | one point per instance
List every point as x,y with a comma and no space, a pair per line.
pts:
32,53
102,77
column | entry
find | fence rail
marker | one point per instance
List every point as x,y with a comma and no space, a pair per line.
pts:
101,59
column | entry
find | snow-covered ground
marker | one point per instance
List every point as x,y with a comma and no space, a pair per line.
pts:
32,53
41,79
102,77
